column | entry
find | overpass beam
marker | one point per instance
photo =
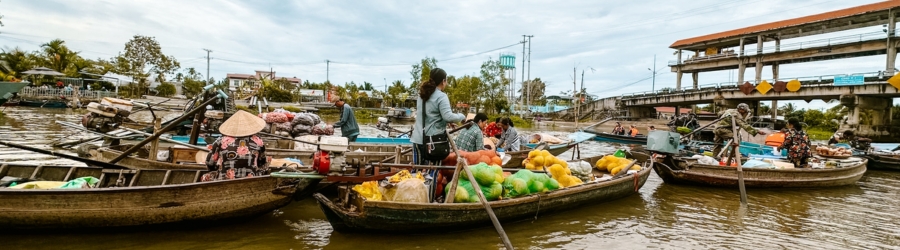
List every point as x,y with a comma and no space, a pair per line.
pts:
868,115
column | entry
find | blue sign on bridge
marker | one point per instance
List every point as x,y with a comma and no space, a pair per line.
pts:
846,80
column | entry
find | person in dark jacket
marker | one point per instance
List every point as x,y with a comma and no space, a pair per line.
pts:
348,125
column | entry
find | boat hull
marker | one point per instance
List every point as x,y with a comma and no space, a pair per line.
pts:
9,88
193,203
607,137
437,217
882,162
689,172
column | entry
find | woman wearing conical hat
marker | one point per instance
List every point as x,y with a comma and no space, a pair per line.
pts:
239,152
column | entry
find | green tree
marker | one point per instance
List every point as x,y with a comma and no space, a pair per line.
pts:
367,86
536,95
143,58
352,93
421,72
493,97
15,61
191,82
273,93
462,90
787,108
396,93
814,118
165,89
57,56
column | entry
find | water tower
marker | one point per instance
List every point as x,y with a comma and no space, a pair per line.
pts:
508,63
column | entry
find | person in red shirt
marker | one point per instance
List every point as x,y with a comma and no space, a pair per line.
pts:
493,129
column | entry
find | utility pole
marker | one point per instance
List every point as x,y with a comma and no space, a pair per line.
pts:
207,64
529,58
575,90
525,85
654,73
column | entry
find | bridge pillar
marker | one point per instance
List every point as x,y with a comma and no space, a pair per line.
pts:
869,115
892,47
695,75
678,79
641,112
741,68
759,64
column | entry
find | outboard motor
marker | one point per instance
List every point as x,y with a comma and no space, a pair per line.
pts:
214,119
106,116
383,124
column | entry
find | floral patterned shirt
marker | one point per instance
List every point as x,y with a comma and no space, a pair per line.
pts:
237,152
492,129
797,144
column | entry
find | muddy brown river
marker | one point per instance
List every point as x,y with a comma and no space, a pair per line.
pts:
662,216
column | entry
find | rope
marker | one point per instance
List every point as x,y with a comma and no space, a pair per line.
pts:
538,208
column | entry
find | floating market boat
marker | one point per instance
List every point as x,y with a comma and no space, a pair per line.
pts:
8,90
187,158
680,170
516,157
351,212
882,161
44,104
127,198
608,137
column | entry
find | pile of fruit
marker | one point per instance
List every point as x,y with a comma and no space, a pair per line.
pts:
538,159
481,156
613,164
369,190
403,175
833,151
564,176
525,182
488,178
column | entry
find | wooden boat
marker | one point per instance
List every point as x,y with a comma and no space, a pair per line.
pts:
679,170
44,104
9,89
357,214
187,158
516,157
143,197
881,161
607,137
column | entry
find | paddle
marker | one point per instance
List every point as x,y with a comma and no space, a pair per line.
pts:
61,155
737,154
461,163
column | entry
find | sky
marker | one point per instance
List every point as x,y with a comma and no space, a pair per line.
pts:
612,42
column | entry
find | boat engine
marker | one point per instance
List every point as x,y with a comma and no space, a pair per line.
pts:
383,124
104,118
330,156
214,119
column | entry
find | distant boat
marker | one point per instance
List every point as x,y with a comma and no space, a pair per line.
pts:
44,104
8,90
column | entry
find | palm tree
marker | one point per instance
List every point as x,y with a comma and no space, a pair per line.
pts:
787,109
58,56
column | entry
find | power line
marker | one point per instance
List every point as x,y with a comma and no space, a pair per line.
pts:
479,53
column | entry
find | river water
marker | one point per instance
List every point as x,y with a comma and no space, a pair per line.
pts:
662,216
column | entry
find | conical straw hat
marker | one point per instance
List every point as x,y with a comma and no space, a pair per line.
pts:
242,124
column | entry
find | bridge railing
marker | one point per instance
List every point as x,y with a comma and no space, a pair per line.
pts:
37,92
823,43
807,81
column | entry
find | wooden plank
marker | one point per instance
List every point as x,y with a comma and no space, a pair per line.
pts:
102,179
3,169
69,174
197,176
166,177
134,178
117,171
154,145
36,171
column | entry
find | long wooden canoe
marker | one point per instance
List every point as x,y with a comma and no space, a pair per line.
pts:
688,171
358,214
607,137
144,197
370,153
882,161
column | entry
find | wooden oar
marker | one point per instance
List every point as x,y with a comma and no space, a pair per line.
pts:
61,155
487,207
737,155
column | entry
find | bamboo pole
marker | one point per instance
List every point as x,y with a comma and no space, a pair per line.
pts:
154,146
737,155
461,163
167,128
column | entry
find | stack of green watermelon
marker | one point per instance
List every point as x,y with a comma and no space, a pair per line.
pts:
526,182
488,178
